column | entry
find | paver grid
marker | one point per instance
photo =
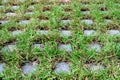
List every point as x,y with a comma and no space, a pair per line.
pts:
35,28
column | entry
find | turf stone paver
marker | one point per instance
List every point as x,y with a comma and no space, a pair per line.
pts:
63,36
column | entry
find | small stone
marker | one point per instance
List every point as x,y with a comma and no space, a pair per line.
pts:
65,33
90,32
66,47
95,46
2,65
62,67
29,68
87,21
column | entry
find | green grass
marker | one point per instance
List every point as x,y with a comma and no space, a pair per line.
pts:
50,56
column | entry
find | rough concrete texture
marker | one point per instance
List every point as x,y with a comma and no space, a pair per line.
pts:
62,67
29,68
